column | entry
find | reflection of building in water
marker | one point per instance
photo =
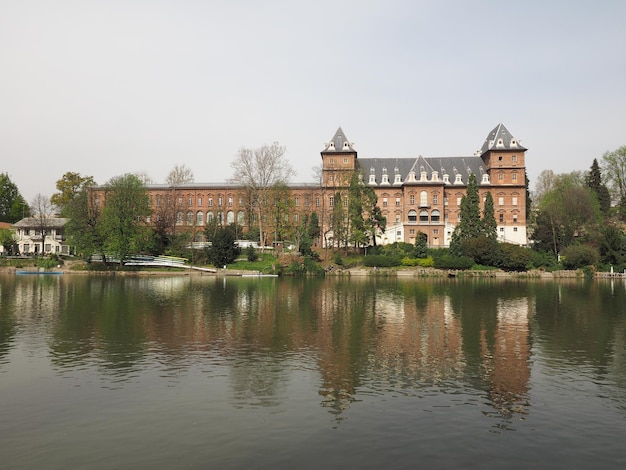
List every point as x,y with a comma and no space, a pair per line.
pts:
507,367
420,342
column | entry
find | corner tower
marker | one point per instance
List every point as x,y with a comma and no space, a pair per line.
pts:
338,161
504,159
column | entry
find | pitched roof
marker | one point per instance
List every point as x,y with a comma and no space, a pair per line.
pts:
339,143
451,166
500,138
52,222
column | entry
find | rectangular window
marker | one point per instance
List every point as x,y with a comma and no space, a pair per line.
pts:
199,201
331,178
436,231
180,201
514,176
515,218
435,199
240,201
500,176
502,229
397,202
158,200
397,219
412,231
230,201
501,218
296,217
500,201
345,160
219,201
515,201
210,201
384,202
296,201
307,201
412,199
331,201
190,201
345,201
458,201
515,229
317,202
514,158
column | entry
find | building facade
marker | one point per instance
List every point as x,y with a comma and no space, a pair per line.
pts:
33,239
420,194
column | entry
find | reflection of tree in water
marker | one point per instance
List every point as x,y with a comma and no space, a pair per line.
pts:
258,380
8,320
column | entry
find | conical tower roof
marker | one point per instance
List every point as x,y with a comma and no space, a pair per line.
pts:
339,143
500,139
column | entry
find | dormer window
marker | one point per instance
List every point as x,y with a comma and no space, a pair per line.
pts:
485,179
423,176
457,179
513,143
397,179
435,176
372,178
345,145
500,143
331,146
446,178
411,176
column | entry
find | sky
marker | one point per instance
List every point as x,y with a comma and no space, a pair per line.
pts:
108,87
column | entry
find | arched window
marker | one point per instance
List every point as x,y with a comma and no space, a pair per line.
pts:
423,216
220,218
230,217
189,218
199,218
412,216
434,216
179,218
241,218
423,199
209,217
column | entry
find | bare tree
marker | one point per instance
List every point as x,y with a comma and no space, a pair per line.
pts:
259,170
180,174
43,211
144,177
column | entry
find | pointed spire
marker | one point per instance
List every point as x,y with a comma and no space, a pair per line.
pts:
500,138
339,143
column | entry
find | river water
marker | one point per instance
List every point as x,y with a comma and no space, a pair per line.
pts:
206,372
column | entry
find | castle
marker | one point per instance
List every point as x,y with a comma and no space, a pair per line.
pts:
421,194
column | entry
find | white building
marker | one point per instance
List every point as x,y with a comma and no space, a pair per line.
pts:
31,235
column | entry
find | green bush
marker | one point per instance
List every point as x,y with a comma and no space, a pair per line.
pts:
453,262
579,256
421,262
382,261
251,254
510,257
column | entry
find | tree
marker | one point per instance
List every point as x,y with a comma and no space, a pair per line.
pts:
84,228
567,212
144,177
42,211
13,207
490,226
69,186
7,239
127,205
223,249
358,234
280,209
614,168
470,225
258,170
594,181
180,174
